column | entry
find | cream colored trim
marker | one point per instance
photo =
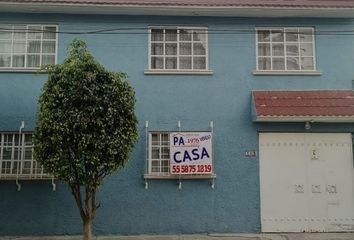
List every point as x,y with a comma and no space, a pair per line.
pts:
204,176
284,72
177,72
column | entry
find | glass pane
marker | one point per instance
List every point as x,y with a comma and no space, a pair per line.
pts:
18,60
155,153
171,35
185,49
28,139
8,139
34,32
263,49
165,166
157,49
49,33
5,60
5,46
19,47
155,139
156,34
292,36
185,35
155,166
305,35
185,63
278,64
26,169
199,63
264,64
34,47
157,62
307,63
306,49
48,59
5,31
199,35
198,49
33,60
6,155
165,153
171,49
171,63
277,36
263,35
48,47
292,50
17,140
292,63
20,32
164,139
28,153
17,153
278,49
14,167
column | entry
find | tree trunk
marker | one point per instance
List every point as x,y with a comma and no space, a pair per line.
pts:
87,229
87,208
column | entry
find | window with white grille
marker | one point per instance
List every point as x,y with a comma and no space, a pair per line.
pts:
285,49
16,157
159,153
27,46
178,48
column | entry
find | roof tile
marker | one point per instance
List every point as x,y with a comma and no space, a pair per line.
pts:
304,103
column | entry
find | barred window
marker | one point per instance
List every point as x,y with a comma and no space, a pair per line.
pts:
16,157
159,154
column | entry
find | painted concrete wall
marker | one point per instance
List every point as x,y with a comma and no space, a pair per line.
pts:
224,97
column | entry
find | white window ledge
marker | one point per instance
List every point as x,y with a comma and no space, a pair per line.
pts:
22,70
177,72
310,73
201,176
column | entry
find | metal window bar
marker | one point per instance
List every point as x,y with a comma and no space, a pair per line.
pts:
18,165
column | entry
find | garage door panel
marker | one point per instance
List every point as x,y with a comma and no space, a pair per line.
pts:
306,182
290,189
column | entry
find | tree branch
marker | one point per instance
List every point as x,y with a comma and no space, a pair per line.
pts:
75,189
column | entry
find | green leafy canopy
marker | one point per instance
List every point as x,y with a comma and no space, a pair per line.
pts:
86,123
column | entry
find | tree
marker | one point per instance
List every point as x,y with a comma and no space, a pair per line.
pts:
86,126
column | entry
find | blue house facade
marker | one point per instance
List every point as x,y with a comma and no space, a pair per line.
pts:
270,85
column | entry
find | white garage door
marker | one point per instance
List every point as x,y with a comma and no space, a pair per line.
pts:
306,182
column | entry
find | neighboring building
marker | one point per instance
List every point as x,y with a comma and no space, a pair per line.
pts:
257,95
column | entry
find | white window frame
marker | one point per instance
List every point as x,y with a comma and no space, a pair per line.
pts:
17,166
160,159
299,71
151,70
26,40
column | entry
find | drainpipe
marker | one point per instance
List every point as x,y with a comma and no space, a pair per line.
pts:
20,152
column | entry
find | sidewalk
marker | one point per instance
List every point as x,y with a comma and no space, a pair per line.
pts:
233,236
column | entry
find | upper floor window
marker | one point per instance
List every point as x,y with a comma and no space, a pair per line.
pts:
27,46
285,49
178,48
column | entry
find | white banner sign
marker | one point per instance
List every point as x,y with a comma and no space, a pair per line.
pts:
191,153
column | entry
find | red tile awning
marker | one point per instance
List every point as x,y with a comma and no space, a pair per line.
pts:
303,106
